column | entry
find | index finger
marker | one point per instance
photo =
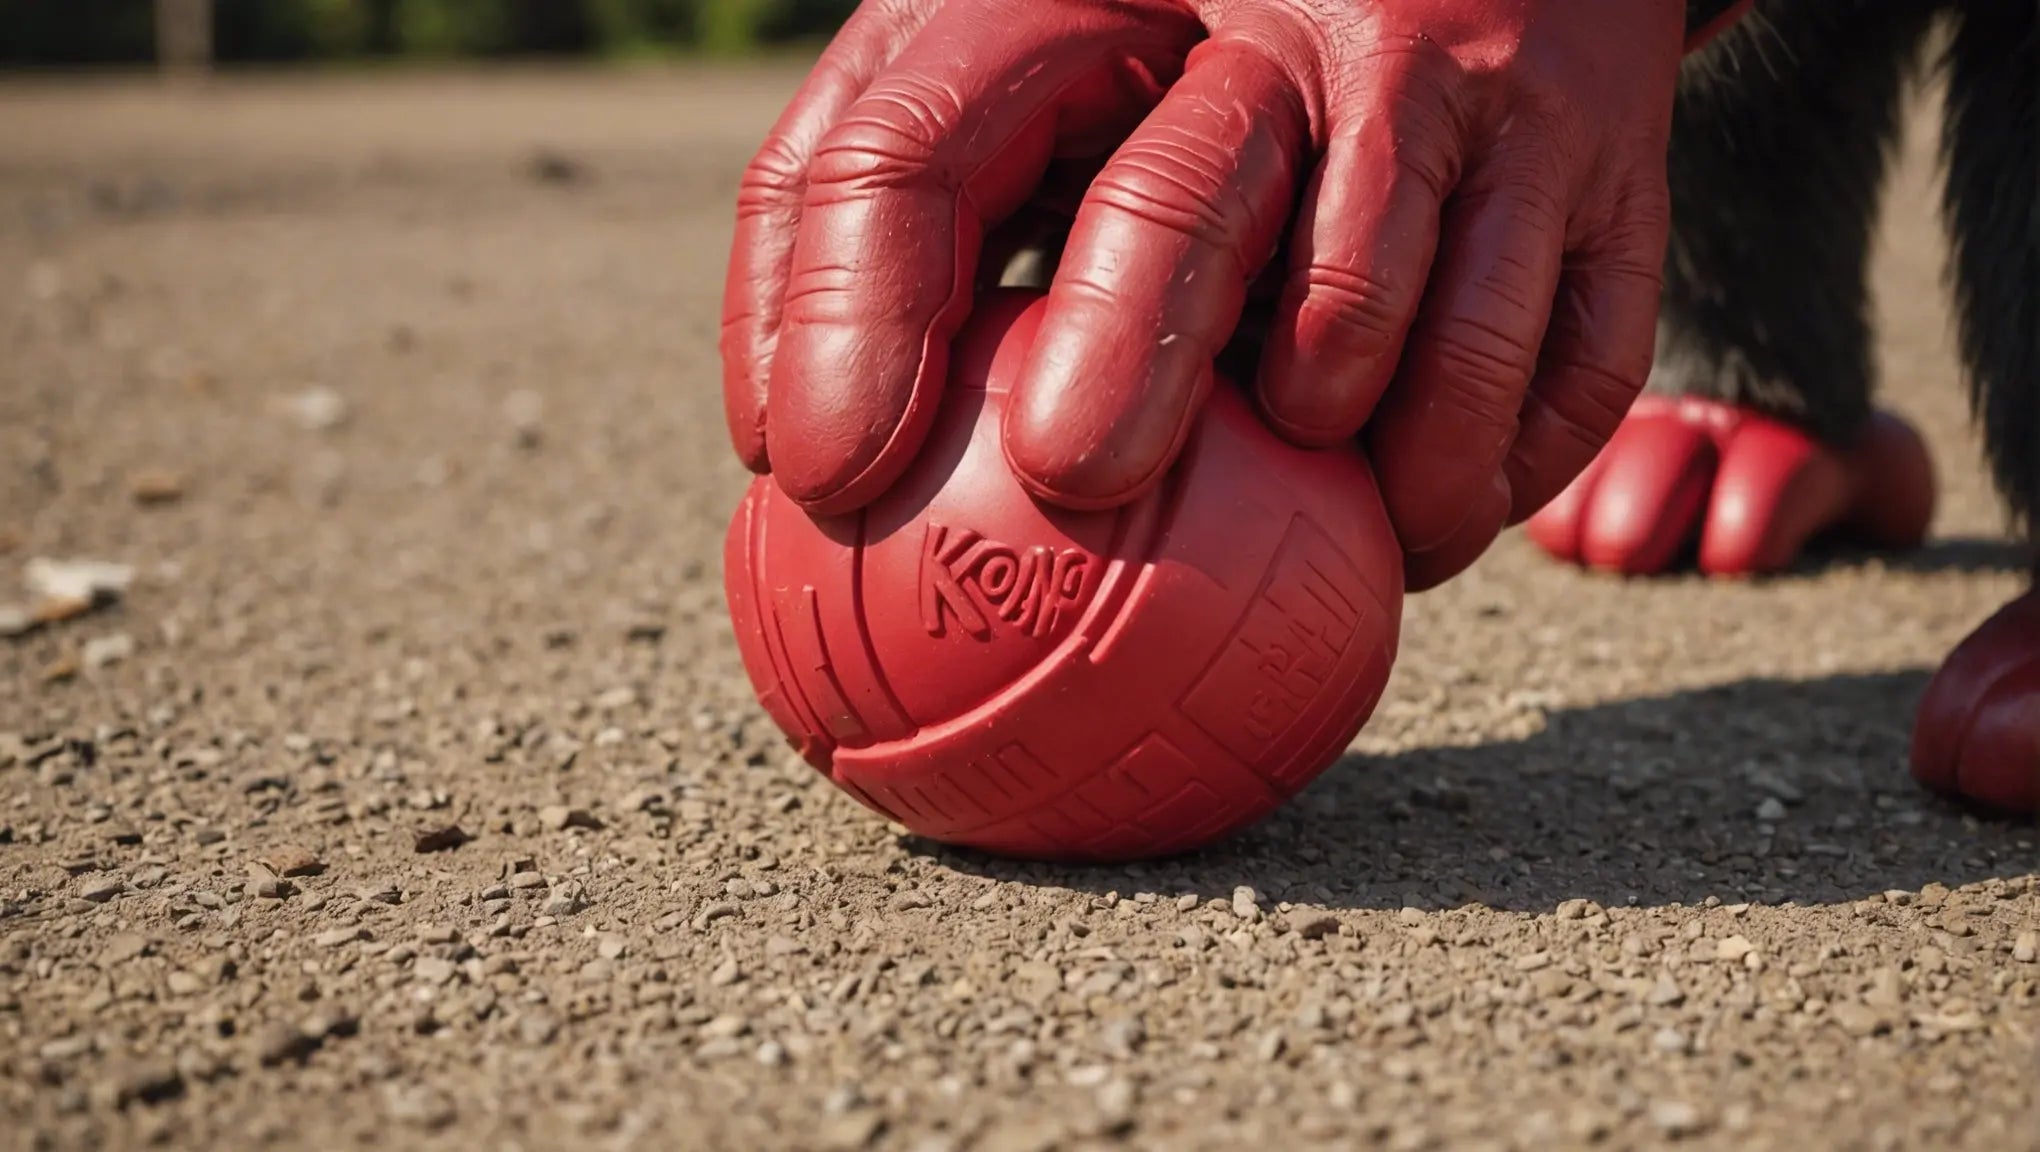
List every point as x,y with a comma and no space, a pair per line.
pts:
953,136
1154,278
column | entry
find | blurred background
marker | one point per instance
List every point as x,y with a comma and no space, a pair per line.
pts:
48,33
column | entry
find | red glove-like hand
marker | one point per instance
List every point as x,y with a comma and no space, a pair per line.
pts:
861,220
1479,212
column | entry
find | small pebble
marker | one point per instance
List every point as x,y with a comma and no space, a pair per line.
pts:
558,817
316,409
264,882
146,1082
66,1047
526,412
1316,925
65,581
851,1131
564,900
439,838
1675,1117
538,1028
101,651
725,1027
293,860
155,486
419,1106
122,948
1665,993
279,1043
330,1022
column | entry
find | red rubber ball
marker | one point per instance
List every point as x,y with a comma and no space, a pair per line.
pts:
994,672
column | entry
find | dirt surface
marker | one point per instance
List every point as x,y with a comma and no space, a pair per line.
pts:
399,397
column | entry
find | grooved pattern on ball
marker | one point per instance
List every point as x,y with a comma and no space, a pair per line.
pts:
1285,649
989,671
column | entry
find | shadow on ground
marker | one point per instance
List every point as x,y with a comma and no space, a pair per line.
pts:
1948,555
1965,555
1650,802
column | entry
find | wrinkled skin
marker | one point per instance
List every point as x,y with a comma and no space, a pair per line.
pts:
1470,194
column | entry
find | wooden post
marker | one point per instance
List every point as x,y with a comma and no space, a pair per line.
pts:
184,37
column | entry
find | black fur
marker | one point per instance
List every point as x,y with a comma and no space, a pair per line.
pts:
1780,140
1783,132
1991,146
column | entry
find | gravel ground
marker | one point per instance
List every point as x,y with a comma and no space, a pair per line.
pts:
411,793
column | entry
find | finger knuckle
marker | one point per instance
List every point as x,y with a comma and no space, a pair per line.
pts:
1544,113
1177,180
892,135
1294,43
1633,240
1524,182
775,176
1482,368
1365,311
1419,89
1413,69
1591,402
1422,158
824,290
1605,391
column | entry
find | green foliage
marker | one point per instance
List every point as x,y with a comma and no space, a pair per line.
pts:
336,27
729,27
636,27
448,27
305,29
57,32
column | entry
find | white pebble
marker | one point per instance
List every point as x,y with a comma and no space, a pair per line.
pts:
90,580
103,650
317,409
